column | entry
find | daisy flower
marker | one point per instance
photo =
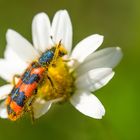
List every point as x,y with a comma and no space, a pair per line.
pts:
75,77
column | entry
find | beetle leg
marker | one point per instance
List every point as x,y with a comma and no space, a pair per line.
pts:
29,107
32,114
50,80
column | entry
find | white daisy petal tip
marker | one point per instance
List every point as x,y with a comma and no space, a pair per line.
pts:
88,104
120,52
40,14
99,37
118,48
63,11
9,31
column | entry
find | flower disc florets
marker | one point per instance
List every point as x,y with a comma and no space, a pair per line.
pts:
61,84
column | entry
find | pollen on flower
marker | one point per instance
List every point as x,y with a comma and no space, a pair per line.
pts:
58,82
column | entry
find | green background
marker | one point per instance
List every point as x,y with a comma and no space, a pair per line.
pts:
119,22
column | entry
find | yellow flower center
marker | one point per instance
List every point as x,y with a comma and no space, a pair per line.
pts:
57,83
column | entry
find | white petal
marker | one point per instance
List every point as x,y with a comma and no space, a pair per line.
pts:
5,90
40,107
9,68
62,29
10,55
41,29
16,61
3,111
86,47
88,104
108,57
21,46
11,65
94,79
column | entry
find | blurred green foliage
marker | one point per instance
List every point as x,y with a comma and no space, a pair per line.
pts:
119,22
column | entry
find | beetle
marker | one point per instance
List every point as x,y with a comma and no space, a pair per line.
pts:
23,93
